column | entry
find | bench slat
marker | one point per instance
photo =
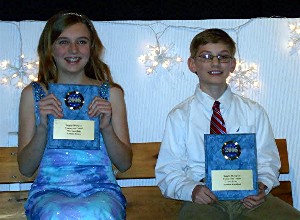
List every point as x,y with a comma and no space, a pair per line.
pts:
9,172
284,192
142,203
12,205
148,203
143,162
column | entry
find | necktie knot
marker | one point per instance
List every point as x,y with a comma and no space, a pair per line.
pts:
216,106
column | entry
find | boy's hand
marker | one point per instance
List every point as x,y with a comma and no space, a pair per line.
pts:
203,195
253,201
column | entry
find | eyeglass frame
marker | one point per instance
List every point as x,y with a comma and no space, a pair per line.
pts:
211,58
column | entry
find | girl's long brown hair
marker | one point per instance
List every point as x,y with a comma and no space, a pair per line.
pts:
95,68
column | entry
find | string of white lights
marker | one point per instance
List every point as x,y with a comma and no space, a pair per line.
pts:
294,42
243,78
158,55
21,73
245,75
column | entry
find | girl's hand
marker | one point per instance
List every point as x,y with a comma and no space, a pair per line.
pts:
101,108
49,105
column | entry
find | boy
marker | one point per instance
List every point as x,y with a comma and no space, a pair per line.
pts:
180,168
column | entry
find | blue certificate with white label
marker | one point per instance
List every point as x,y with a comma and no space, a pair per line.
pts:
76,130
231,165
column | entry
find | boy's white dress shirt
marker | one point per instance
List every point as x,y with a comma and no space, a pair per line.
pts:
181,161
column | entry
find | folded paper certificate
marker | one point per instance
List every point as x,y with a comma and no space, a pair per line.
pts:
231,165
76,130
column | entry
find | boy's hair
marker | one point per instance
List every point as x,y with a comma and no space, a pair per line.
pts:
213,35
95,68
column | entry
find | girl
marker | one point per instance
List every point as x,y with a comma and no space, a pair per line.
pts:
72,183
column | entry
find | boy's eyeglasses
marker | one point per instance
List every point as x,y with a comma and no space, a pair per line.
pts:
207,58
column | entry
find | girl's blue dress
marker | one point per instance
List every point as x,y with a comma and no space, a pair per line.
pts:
74,184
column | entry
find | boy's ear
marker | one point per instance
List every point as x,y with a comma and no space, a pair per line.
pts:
191,65
233,65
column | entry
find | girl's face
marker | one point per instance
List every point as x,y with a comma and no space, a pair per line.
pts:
71,50
213,64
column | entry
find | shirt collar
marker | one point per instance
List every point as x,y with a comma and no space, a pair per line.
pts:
208,101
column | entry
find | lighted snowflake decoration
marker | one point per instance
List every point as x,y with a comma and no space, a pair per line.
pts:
159,56
294,42
244,77
20,75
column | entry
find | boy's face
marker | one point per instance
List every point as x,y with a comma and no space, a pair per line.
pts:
212,70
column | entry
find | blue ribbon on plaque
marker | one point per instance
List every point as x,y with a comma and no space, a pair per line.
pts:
76,130
231,165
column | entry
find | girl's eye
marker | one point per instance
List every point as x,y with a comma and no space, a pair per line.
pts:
63,42
82,42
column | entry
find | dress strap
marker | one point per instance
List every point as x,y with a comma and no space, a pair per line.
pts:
38,91
104,91
38,94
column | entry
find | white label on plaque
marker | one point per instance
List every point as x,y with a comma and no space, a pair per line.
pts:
73,129
232,179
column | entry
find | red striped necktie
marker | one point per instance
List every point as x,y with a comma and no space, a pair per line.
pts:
217,124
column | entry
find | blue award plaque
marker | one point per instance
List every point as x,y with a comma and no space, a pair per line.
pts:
231,165
76,130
